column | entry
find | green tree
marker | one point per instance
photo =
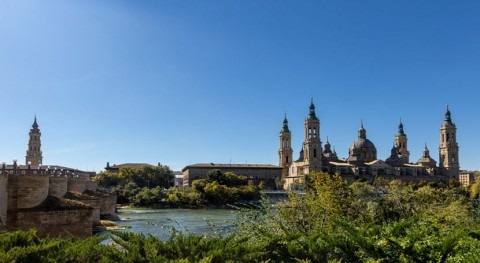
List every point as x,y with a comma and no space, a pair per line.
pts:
229,179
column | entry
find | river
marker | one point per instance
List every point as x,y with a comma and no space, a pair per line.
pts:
160,221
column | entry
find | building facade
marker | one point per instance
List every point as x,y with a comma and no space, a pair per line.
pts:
362,161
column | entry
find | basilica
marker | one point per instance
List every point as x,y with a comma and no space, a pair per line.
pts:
362,161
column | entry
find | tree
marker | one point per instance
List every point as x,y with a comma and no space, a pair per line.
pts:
229,179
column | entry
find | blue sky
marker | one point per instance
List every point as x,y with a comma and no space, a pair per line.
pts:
183,82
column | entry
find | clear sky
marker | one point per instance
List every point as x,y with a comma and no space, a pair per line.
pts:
183,82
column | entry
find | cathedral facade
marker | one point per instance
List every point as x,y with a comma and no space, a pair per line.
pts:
362,161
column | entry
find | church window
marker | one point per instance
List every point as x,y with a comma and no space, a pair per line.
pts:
288,143
314,153
287,159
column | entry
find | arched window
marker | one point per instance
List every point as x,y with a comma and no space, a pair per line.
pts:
314,153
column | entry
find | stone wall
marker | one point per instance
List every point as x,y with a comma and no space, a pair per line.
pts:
56,223
31,191
12,204
3,199
108,205
58,186
77,185
91,185
95,203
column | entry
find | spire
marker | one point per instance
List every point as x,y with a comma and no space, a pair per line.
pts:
426,152
448,118
285,124
400,128
327,147
311,114
362,133
35,125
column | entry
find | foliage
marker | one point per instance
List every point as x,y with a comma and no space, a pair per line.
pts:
228,179
147,176
334,221
225,188
128,182
148,197
184,198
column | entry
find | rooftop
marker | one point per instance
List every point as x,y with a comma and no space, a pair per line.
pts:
238,166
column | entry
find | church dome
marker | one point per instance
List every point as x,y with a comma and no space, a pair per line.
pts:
362,144
362,150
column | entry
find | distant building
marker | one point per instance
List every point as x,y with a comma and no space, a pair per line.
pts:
362,159
466,178
255,173
178,179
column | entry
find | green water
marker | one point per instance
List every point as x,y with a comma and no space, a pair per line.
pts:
160,221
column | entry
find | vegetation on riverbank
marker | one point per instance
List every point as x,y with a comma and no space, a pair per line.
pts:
334,221
141,187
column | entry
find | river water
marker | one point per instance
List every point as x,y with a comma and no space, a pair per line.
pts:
161,221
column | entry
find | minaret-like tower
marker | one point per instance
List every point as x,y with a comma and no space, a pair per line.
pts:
285,151
34,151
401,142
448,150
312,145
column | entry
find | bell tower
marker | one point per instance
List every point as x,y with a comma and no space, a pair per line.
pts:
401,142
34,151
448,150
312,146
285,151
